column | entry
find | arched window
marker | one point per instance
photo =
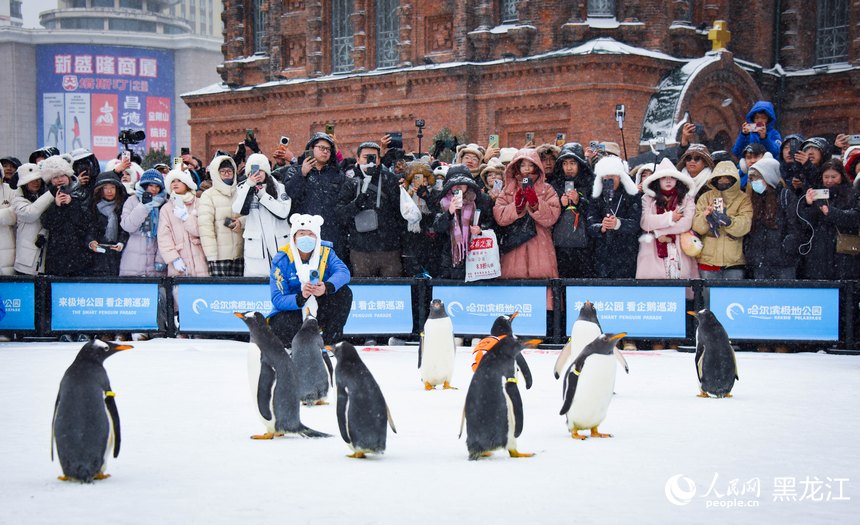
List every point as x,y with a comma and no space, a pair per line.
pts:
831,44
341,36
509,11
601,8
387,33
259,26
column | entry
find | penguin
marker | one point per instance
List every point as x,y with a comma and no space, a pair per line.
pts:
437,349
716,365
589,384
362,412
85,428
502,326
313,365
493,413
585,329
277,386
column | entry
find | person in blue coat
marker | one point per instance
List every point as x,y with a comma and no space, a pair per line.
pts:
759,127
308,278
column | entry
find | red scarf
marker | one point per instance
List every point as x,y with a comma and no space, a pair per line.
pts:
671,203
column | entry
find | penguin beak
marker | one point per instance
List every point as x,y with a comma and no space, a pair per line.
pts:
514,315
119,348
618,336
690,312
532,343
239,315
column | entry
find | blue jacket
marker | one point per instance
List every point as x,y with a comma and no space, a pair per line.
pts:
772,141
284,280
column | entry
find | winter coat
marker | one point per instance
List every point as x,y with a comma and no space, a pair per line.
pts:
141,252
220,243
8,219
442,227
772,140
648,264
822,261
583,182
29,258
536,258
386,238
615,250
317,194
266,225
778,247
285,284
106,263
178,238
66,252
727,249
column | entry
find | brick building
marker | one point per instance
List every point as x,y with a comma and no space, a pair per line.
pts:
512,66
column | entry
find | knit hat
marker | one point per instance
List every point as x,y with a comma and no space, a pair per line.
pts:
572,150
182,176
462,149
696,149
151,176
11,160
816,142
45,151
506,155
256,159
665,169
459,174
56,166
612,166
27,173
768,168
108,177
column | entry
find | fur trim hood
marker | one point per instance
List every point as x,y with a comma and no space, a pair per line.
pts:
612,165
667,169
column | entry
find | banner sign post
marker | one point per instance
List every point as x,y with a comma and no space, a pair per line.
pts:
473,309
652,311
104,306
19,301
781,314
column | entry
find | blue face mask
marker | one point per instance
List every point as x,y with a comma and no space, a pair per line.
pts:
758,186
306,244
228,182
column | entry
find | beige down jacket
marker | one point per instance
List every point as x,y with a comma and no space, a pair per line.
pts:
220,243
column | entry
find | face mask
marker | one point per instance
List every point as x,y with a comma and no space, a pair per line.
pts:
306,244
759,186
723,186
228,182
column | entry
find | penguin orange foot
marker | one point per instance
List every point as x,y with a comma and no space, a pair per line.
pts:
447,386
101,476
486,454
64,478
576,435
357,455
267,435
596,434
702,394
428,386
320,402
516,454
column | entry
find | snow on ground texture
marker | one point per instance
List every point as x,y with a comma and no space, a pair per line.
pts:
186,455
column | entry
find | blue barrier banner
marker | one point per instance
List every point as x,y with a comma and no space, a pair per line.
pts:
473,309
104,306
652,311
380,309
807,314
19,300
210,307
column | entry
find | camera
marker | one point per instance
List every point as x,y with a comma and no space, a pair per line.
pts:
285,140
419,123
131,136
228,222
699,129
371,159
329,129
314,277
619,111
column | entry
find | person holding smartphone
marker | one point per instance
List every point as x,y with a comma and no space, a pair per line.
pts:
572,178
220,227
420,243
493,178
105,238
68,221
140,214
759,127
178,230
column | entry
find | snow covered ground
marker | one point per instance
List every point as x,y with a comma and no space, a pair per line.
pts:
784,449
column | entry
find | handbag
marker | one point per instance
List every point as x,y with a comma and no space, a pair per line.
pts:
368,220
568,232
516,234
482,258
847,243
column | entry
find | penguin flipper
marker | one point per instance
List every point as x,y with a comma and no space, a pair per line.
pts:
563,356
524,368
53,420
329,367
420,349
700,351
264,390
735,362
462,422
390,419
342,423
570,381
516,403
110,402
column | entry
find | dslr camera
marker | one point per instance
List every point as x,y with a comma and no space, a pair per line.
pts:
131,136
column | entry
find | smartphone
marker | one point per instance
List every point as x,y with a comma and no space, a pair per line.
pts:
146,197
458,194
126,156
559,139
569,186
718,204
396,139
329,129
177,163
594,145
228,222
699,130
497,185
185,151
249,134
526,182
438,185
530,136
255,168
371,159
314,277
821,195
285,140
494,141
853,140
309,154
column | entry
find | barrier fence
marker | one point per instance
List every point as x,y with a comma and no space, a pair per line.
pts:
750,310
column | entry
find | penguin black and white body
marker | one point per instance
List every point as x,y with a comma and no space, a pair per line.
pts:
585,329
716,364
277,392
589,384
503,325
85,428
362,413
493,414
437,349
313,365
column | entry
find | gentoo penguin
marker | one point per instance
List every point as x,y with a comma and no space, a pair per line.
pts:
493,414
313,365
436,351
716,365
361,409
502,326
277,387
585,329
85,428
588,385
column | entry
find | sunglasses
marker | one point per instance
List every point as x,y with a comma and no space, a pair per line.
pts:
695,158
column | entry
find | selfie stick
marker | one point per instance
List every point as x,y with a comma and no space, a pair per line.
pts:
619,116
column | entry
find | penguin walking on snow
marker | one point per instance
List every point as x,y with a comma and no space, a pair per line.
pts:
585,329
493,413
589,384
437,350
85,428
716,364
362,413
313,365
503,325
276,387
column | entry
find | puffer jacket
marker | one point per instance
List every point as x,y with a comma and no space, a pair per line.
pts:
141,251
8,219
727,249
536,258
266,225
220,243
772,139
178,238
66,253
29,258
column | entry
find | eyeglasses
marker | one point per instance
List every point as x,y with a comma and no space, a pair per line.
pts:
323,148
225,171
695,158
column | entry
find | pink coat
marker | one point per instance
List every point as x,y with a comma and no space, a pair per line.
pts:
178,238
648,264
536,258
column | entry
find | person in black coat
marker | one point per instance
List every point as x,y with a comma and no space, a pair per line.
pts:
613,220
105,238
840,213
771,246
374,253
573,180
67,221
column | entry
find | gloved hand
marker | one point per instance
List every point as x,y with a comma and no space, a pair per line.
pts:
364,201
422,192
179,210
531,196
179,264
520,201
713,224
252,143
722,218
40,241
